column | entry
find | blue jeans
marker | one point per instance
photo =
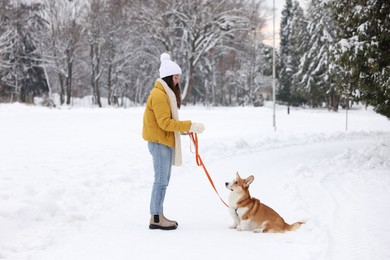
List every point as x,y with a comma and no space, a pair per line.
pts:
162,163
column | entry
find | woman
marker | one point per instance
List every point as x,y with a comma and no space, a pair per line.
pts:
162,128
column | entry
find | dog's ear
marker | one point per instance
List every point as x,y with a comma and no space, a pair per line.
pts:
249,180
238,176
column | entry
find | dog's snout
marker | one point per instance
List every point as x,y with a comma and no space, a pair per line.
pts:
226,184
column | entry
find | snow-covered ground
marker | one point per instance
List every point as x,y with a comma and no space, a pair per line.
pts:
75,184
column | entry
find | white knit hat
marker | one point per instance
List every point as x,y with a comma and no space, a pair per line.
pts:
168,67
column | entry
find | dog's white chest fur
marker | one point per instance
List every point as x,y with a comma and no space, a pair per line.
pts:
237,212
234,197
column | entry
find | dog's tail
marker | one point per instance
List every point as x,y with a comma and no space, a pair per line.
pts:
294,226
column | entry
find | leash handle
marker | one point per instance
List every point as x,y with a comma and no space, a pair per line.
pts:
199,162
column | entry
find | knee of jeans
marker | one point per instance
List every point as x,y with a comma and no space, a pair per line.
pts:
161,183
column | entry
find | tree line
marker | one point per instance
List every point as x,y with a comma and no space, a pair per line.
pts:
331,54
335,53
111,49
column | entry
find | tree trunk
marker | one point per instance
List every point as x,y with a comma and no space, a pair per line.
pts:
69,87
189,81
62,90
95,64
213,87
109,86
69,76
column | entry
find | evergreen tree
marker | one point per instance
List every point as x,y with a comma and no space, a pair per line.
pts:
299,41
315,73
286,71
363,50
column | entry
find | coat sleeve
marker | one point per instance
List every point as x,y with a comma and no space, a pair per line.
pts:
162,112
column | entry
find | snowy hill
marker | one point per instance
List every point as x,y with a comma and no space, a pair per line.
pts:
75,185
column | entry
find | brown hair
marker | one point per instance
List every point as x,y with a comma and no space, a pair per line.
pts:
175,89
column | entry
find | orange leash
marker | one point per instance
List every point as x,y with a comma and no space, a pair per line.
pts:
199,162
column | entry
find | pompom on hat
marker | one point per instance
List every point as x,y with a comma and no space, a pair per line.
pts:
168,67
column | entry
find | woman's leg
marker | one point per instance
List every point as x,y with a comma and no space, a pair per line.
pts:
162,163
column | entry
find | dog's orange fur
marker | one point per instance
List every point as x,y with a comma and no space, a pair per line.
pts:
250,214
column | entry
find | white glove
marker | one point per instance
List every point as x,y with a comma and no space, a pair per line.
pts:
197,128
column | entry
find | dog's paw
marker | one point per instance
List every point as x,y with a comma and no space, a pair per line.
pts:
258,230
239,228
234,226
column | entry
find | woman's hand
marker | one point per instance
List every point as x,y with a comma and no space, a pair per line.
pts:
197,128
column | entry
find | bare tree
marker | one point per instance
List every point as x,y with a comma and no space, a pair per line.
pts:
111,48
192,30
95,31
122,44
65,41
20,54
5,36
204,26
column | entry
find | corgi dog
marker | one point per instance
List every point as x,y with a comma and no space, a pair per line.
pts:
250,214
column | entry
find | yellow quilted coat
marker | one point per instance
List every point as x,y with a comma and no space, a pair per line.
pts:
158,125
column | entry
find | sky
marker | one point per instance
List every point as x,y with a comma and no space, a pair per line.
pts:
279,4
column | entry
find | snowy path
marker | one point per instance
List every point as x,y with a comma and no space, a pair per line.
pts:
351,199
338,203
76,184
